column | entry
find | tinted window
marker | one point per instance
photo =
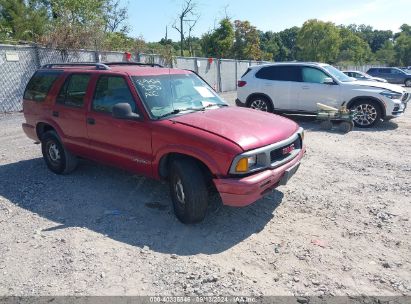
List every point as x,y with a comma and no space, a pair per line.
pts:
280,73
313,75
385,71
39,85
111,90
74,90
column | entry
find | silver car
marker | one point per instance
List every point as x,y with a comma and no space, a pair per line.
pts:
363,76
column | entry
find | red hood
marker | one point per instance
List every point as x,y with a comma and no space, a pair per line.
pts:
247,128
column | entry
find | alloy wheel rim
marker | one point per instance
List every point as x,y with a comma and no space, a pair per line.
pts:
179,190
259,105
54,153
365,115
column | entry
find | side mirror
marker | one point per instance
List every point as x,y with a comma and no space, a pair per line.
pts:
328,80
123,111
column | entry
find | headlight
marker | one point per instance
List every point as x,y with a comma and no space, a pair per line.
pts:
391,94
245,163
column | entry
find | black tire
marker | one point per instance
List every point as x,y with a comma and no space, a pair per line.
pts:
367,113
326,125
407,82
260,103
188,189
345,126
56,156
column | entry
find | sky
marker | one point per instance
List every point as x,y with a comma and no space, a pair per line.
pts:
150,18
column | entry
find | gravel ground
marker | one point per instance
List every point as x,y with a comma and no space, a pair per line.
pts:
340,227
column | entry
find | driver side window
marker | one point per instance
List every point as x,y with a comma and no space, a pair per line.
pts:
313,75
109,91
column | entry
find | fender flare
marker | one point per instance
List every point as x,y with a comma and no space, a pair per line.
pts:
164,152
51,123
374,99
259,94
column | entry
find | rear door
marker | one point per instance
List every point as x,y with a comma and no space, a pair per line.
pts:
69,111
313,90
123,143
281,83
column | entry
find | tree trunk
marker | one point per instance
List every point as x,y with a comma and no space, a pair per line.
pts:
181,36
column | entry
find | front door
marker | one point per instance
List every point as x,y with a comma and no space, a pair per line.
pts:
313,90
123,143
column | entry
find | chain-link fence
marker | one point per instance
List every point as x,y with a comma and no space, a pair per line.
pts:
18,63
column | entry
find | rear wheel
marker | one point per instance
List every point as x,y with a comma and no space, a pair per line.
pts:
189,192
367,113
58,159
408,83
260,103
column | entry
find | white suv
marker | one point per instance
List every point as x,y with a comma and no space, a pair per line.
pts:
296,88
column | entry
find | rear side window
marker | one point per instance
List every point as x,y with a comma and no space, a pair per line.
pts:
111,90
280,73
74,90
40,85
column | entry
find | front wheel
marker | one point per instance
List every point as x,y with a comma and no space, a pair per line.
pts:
188,189
367,114
261,103
408,83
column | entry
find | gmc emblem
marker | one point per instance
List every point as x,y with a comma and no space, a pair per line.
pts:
288,149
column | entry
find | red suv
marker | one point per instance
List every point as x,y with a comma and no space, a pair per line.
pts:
163,123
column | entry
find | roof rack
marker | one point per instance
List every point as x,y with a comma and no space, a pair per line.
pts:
98,66
134,63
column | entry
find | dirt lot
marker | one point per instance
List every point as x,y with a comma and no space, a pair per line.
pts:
340,227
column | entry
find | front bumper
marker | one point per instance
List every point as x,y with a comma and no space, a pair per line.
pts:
240,192
398,110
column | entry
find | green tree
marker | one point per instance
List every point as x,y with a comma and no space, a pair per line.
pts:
269,45
219,42
386,54
318,41
403,49
353,48
288,41
117,41
247,41
22,20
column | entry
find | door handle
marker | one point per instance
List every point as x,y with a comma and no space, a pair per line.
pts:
55,114
306,88
91,121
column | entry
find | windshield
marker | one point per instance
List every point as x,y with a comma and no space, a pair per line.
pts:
338,74
165,95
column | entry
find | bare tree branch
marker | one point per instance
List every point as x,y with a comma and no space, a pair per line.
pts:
188,9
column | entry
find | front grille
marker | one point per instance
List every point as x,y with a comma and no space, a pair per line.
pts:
277,155
405,97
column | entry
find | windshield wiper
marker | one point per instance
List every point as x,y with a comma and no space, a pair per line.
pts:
176,111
